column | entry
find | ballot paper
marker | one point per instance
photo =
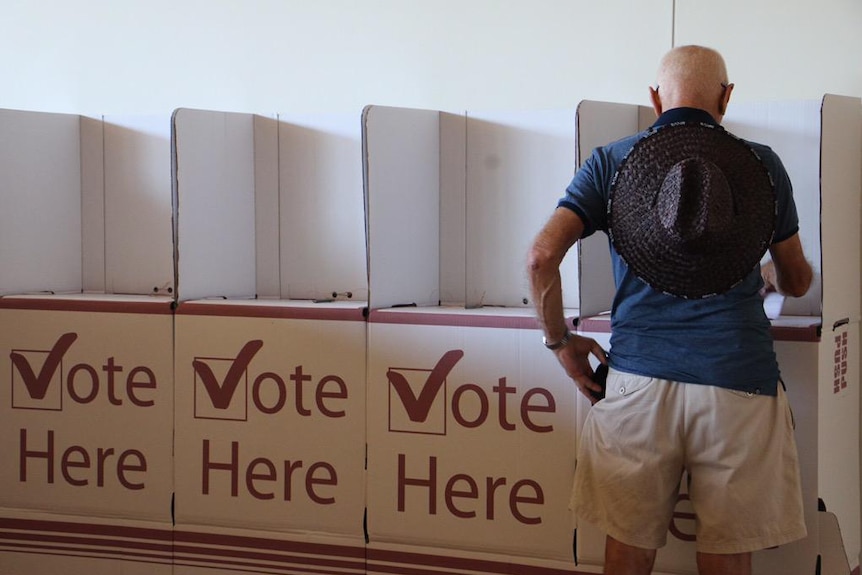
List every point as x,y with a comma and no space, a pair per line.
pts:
772,304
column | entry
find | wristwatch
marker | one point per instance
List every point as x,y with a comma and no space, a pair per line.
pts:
554,346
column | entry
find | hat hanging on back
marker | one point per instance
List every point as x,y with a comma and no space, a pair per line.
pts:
692,210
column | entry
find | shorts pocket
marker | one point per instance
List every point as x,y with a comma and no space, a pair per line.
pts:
620,384
740,393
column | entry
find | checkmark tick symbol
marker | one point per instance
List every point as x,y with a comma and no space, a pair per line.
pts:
37,385
418,407
221,394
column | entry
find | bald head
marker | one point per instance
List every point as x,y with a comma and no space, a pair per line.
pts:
693,76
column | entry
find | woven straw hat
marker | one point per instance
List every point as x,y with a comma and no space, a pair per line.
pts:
692,210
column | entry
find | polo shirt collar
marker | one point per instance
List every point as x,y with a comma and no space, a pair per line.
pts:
685,115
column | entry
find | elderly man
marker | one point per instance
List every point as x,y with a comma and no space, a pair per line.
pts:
693,382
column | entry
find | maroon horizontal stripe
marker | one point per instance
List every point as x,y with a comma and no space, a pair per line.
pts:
446,564
402,570
264,556
285,311
87,305
809,333
86,528
253,551
88,553
238,566
189,537
79,540
269,544
248,567
460,319
241,553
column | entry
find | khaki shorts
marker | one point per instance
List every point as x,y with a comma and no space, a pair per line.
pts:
738,449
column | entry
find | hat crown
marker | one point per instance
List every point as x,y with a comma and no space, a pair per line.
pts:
695,204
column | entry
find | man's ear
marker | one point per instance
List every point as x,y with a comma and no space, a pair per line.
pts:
656,100
725,98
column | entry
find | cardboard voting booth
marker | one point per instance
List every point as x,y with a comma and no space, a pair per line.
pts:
816,336
270,343
471,422
268,207
86,349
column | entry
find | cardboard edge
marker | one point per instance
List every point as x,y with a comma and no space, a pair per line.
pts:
156,306
284,310
520,318
93,266
840,152
175,202
267,205
416,283
386,557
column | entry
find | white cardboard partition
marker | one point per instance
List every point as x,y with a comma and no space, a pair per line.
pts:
401,150
453,203
215,203
86,204
269,208
40,167
322,247
793,130
599,123
94,270
138,244
518,165
453,209
820,143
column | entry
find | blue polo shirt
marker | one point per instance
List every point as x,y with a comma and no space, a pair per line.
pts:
722,340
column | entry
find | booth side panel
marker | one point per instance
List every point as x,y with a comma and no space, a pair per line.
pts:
838,429
138,211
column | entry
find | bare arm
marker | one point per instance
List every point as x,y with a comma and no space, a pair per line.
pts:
549,248
790,272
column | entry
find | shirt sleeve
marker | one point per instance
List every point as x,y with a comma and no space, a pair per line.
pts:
787,222
586,195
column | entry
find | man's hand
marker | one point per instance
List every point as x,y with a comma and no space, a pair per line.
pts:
792,272
575,359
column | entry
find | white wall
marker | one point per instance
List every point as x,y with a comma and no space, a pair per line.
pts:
151,56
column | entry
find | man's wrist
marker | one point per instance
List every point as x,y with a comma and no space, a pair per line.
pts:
561,343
